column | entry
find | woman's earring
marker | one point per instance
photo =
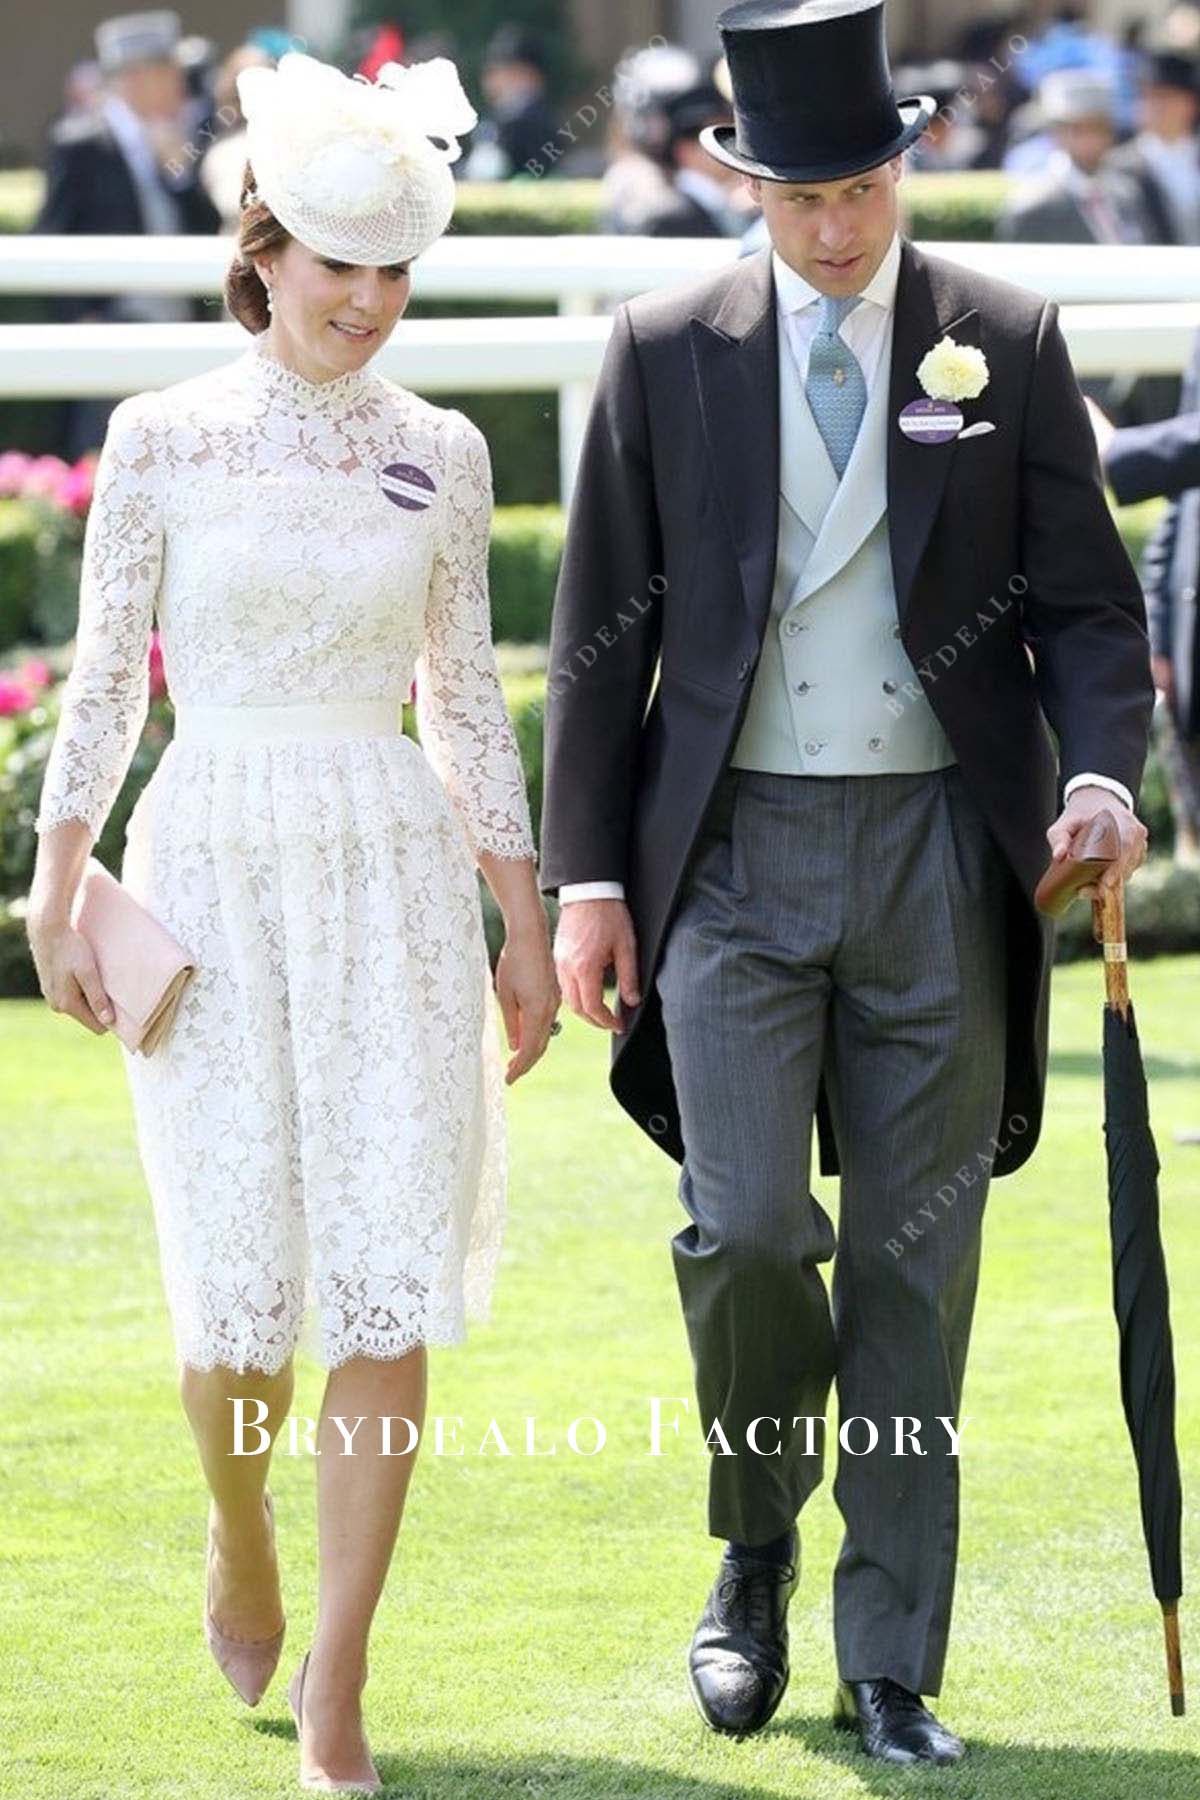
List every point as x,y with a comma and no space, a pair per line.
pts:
270,297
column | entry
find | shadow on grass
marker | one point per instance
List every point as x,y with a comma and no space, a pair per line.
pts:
989,1772
1011,1771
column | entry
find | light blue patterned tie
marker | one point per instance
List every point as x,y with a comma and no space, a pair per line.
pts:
836,386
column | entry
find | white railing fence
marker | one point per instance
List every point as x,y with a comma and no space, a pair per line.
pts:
1125,310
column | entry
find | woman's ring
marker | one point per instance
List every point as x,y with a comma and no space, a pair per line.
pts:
556,1028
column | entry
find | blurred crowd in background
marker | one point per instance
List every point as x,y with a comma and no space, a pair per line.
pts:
1102,138
1106,134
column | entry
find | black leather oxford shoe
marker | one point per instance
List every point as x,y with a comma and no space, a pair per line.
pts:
892,1723
738,1660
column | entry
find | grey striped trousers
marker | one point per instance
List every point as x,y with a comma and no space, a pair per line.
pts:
855,922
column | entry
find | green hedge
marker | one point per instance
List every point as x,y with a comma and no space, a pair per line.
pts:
938,206
1162,916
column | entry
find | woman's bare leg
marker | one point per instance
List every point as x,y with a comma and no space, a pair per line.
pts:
246,1602
360,1501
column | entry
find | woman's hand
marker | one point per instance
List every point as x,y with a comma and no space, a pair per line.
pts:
68,974
527,989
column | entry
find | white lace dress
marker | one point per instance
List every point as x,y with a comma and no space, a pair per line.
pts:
322,1129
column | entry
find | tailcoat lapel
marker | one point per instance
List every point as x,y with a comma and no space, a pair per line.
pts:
916,472
735,357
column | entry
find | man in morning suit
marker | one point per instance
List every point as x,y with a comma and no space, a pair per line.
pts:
126,171
809,646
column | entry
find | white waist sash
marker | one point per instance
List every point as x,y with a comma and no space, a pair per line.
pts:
248,722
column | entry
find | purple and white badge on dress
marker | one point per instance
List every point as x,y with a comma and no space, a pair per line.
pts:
408,486
930,421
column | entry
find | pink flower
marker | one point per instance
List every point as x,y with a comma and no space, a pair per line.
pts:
44,476
412,692
35,674
158,679
14,697
14,466
75,489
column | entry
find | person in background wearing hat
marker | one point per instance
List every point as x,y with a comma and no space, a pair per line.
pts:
952,141
695,201
519,122
799,790
124,170
645,82
1080,198
1164,158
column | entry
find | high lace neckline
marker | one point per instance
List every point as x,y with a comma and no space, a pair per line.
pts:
297,390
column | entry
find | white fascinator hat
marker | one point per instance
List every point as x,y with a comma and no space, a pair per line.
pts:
357,170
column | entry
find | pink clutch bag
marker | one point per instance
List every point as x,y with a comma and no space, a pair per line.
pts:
143,969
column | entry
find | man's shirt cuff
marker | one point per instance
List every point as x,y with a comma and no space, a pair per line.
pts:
1103,781
590,890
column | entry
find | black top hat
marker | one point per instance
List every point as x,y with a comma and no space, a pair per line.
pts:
515,44
812,92
689,112
1173,69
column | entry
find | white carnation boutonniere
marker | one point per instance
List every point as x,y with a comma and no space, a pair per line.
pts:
953,371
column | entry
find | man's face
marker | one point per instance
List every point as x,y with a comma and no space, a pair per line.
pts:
1087,141
833,233
511,84
1168,112
154,90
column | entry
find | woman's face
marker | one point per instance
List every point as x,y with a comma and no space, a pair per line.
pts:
330,317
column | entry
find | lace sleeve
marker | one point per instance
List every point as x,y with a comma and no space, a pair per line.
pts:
461,715
106,695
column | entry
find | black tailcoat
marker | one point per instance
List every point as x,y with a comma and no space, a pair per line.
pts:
1016,601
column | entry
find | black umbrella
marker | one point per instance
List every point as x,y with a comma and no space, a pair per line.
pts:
1141,1299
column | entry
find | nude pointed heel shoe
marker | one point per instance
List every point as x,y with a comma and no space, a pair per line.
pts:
321,1784
248,1667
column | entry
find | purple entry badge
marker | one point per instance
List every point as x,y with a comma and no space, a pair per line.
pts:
930,421
407,486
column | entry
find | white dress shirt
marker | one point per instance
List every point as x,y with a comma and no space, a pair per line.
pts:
865,331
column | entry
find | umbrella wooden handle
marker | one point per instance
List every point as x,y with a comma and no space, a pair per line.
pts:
1170,1612
1108,924
1095,848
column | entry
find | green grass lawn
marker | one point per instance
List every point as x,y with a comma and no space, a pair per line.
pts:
532,1638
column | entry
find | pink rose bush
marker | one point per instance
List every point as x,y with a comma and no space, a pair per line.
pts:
66,485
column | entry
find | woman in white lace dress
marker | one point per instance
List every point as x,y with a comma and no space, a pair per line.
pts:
322,1130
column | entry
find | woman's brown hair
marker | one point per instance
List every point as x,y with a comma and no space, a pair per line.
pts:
258,231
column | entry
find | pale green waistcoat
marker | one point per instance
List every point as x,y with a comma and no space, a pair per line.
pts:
833,690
